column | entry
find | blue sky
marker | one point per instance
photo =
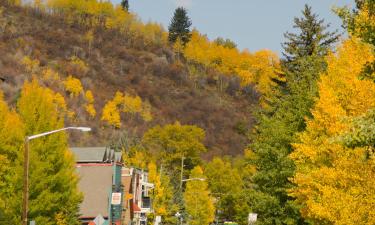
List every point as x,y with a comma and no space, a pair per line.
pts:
252,24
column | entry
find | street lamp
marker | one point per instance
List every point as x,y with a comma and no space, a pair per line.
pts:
195,178
25,203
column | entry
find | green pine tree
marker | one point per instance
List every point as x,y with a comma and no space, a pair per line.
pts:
278,125
180,26
125,5
313,38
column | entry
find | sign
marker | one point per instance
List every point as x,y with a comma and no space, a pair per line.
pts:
99,220
32,222
116,198
252,217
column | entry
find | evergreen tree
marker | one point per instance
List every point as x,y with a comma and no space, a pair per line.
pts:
180,26
125,5
313,38
279,124
197,198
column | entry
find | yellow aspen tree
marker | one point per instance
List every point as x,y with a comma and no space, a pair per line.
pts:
73,86
12,134
31,65
132,104
50,75
157,195
334,183
111,114
89,106
198,201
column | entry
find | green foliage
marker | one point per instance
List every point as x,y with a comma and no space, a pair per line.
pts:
53,183
279,124
226,186
125,4
227,43
198,201
180,26
173,141
361,132
312,40
360,23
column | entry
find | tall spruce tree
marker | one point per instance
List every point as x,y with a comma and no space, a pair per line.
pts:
278,125
125,4
180,26
314,39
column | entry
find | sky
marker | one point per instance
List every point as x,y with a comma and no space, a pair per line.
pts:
252,24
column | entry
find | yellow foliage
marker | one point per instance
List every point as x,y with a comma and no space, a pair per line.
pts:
79,64
90,109
198,201
73,86
32,66
89,97
132,104
146,112
89,106
139,159
128,104
258,68
59,100
335,184
61,219
111,114
49,74
119,98
95,13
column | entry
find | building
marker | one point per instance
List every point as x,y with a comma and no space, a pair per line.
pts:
99,169
137,201
113,193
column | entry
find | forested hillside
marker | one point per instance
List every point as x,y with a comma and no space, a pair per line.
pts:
223,133
87,63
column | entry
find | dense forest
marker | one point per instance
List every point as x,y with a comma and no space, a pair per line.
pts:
291,139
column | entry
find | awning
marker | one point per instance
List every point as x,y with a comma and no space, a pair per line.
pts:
136,208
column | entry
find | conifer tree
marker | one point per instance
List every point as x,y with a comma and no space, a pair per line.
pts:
197,198
313,38
279,124
180,26
125,5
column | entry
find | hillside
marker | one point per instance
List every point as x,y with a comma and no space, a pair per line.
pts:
111,62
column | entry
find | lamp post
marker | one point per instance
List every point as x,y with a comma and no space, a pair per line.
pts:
25,204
